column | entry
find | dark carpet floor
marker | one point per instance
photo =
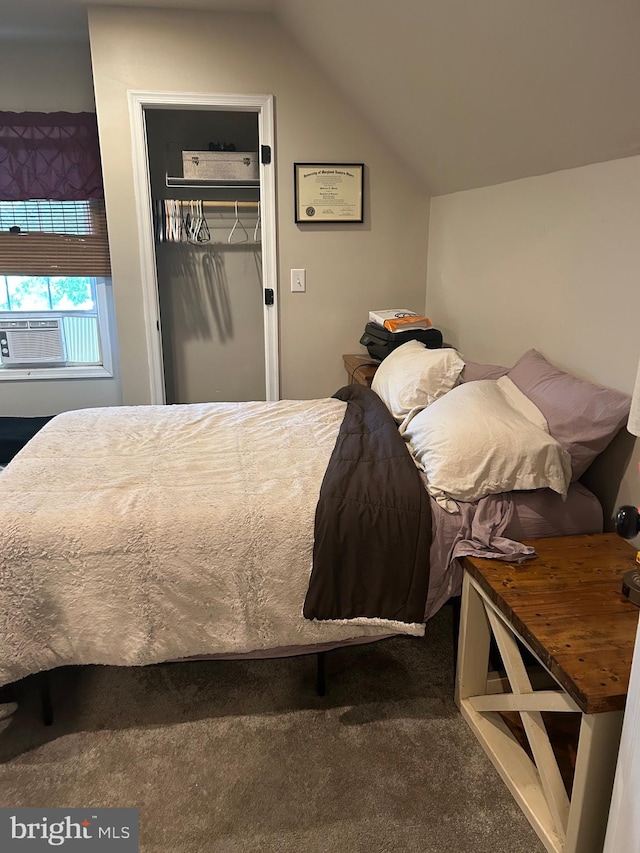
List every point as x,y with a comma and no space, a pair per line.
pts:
242,756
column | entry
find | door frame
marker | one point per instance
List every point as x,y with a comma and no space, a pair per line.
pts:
262,105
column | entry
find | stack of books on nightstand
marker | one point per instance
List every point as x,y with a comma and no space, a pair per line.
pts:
392,327
399,319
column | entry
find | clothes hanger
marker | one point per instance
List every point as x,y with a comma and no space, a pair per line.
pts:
255,230
235,225
204,235
184,221
168,220
194,224
198,231
177,221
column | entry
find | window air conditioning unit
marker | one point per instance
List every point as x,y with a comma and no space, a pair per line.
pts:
31,341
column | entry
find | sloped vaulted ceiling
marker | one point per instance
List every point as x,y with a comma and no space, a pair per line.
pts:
477,92
468,93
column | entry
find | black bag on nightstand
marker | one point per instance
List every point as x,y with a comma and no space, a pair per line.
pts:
380,342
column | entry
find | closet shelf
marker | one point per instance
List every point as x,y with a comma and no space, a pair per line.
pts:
199,183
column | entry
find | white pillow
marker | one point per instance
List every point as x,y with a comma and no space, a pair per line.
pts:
412,377
482,438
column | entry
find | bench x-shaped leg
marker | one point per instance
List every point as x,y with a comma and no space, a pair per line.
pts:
572,826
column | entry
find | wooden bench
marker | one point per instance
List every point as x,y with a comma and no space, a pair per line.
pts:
565,636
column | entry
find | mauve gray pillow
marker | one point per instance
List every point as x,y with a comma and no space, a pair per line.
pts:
473,370
582,417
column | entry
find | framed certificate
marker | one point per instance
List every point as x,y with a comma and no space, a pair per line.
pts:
328,192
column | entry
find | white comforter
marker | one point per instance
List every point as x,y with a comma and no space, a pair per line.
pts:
135,535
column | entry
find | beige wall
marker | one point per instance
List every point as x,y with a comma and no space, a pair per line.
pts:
550,262
350,269
41,77
45,77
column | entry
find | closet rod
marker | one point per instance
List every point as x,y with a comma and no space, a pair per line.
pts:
230,204
227,205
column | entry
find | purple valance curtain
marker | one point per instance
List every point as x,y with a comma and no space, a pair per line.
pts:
49,155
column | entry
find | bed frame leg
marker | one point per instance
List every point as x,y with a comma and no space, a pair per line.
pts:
45,699
321,683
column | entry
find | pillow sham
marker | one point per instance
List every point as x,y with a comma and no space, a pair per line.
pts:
583,417
479,440
412,377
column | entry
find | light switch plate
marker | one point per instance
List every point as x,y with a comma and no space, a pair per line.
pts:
298,281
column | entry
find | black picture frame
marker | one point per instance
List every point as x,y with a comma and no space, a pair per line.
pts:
328,192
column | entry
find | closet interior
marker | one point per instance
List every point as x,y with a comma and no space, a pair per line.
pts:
208,250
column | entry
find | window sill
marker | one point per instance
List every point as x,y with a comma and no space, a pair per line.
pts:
7,374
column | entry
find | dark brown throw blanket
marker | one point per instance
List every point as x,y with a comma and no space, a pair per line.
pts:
372,524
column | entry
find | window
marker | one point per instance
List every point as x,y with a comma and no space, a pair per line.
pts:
38,238
72,300
55,273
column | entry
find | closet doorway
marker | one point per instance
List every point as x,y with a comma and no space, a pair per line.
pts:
207,246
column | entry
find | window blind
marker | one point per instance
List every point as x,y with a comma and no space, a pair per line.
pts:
54,238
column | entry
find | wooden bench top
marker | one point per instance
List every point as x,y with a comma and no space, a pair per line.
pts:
567,605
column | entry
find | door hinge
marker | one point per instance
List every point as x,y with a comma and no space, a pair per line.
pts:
265,154
268,296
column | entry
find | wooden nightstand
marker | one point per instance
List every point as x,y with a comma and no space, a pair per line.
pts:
566,610
360,369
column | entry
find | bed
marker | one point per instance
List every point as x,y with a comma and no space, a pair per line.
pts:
137,535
